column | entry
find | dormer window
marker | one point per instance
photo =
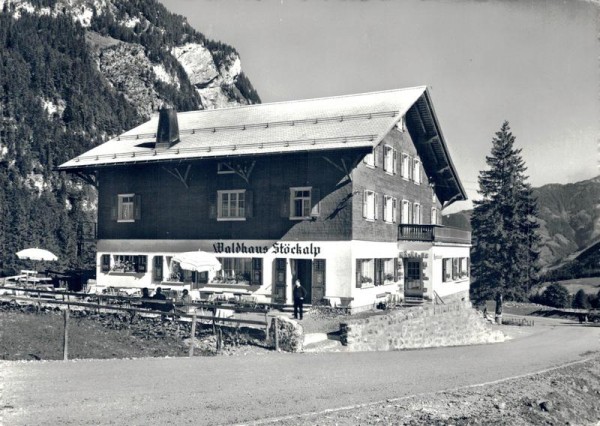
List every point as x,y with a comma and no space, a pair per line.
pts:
400,125
370,159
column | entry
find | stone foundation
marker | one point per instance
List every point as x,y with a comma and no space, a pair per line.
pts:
290,333
420,327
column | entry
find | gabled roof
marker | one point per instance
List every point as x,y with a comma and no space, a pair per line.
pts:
341,122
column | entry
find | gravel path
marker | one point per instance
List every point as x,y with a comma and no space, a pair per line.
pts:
243,389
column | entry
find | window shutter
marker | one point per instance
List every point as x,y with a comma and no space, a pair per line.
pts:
285,203
358,265
114,207
315,199
137,206
394,162
394,210
257,266
377,201
212,205
249,200
376,159
411,218
364,203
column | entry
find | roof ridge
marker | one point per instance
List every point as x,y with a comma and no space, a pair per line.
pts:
305,100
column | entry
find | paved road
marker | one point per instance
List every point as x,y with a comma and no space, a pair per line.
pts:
226,390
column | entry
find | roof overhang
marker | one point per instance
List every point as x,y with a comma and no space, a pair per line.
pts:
424,128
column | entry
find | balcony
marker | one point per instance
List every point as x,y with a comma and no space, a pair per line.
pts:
433,233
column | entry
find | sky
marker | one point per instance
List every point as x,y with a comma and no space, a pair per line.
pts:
534,63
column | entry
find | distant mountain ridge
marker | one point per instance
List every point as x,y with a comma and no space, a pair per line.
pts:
74,73
569,217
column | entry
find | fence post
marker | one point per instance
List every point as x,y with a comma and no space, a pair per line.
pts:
193,334
66,335
219,340
39,304
276,333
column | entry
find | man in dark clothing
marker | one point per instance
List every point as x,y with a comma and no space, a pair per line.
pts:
165,307
299,295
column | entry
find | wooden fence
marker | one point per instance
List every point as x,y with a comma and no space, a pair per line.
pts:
130,304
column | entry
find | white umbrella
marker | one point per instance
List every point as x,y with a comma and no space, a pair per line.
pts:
36,254
199,261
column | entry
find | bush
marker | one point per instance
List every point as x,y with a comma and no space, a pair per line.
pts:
557,296
581,300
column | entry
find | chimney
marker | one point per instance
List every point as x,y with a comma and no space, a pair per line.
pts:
167,133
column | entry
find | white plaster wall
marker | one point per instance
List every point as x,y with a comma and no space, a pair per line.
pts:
371,250
447,288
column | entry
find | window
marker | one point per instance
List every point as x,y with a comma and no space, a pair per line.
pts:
455,266
434,216
400,125
463,267
413,270
406,170
417,171
406,216
126,208
300,203
370,159
370,205
389,271
389,160
224,168
232,205
446,270
129,263
239,271
365,273
389,209
416,214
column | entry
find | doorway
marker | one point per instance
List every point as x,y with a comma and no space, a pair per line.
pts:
413,282
302,270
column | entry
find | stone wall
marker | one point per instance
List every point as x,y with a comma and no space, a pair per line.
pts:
420,327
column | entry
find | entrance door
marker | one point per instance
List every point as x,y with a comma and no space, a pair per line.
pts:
279,281
304,274
413,283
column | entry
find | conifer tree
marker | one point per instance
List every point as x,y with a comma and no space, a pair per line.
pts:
504,254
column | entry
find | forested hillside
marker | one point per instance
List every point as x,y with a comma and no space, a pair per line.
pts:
569,218
59,98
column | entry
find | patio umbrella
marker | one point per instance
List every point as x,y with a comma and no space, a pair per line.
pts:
199,261
36,254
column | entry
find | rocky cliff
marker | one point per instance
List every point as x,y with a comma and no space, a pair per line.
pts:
74,73
146,53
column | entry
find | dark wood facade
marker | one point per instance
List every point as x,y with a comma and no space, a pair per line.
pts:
177,200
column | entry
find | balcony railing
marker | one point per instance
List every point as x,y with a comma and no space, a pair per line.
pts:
433,233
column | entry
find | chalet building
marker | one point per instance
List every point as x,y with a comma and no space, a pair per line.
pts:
344,193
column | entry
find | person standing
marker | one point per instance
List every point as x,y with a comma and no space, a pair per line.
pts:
299,295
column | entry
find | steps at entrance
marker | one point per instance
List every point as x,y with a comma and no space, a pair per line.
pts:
321,342
412,301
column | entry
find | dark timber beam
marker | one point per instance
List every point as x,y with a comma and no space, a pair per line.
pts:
89,178
177,174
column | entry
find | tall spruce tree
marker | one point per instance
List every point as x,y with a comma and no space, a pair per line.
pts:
504,254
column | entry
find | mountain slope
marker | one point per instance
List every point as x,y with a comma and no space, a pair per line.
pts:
569,217
74,73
